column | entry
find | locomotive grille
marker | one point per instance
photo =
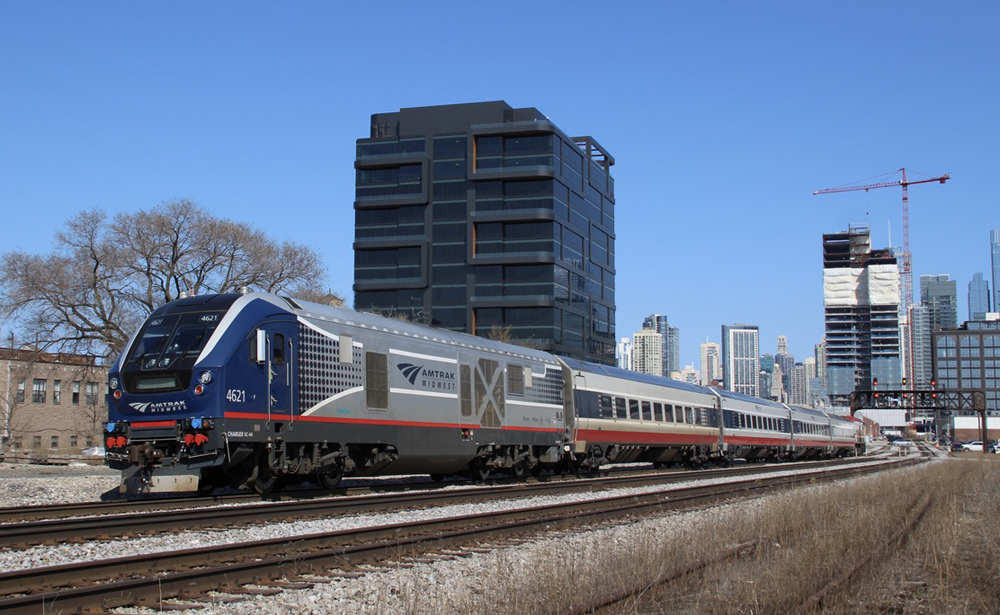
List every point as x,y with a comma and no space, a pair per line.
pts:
321,374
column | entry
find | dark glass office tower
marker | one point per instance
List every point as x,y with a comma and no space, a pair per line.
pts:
476,216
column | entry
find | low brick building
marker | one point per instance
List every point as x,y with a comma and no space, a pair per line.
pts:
51,402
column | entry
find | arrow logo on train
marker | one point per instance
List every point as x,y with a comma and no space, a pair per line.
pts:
410,371
141,407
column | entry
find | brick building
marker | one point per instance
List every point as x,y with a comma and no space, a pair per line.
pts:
51,402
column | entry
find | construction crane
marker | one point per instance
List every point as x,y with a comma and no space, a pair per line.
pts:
907,277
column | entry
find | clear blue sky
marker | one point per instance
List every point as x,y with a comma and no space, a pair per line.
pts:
723,118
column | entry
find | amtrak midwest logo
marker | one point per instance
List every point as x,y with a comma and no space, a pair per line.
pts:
161,406
419,375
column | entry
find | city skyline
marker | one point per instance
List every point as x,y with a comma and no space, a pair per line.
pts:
722,123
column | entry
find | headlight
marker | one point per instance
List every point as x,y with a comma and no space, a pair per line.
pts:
205,377
113,383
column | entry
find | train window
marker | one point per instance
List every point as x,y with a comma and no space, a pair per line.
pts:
690,415
278,349
647,412
346,349
668,413
607,407
377,385
515,379
620,408
465,374
633,409
657,411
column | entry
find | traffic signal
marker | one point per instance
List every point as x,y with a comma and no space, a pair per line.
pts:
874,382
933,383
904,381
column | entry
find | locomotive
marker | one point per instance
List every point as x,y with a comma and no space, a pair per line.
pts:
253,390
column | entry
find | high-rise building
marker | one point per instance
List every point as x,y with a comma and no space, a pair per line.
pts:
741,359
478,216
820,351
671,341
711,370
861,305
787,363
623,353
995,262
775,387
647,352
799,386
979,297
939,294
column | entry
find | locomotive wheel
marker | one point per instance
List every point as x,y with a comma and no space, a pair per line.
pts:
479,470
329,480
518,471
264,481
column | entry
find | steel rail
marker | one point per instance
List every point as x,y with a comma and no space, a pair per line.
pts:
102,527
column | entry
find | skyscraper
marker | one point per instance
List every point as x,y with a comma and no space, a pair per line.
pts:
475,216
623,353
671,341
787,363
741,359
710,367
940,295
995,260
647,352
979,297
861,306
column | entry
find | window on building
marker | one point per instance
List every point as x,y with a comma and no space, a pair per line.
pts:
54,442
57,391
36,442
74,441
76,392
38,390
18,442
91,393
90,441
20,391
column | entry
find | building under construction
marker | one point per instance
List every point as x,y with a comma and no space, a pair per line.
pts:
861,306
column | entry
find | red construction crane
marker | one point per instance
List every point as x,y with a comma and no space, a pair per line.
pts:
906,298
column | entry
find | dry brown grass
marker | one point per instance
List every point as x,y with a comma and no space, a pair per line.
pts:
950,564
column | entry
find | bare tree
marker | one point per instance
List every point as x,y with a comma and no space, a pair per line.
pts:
105,276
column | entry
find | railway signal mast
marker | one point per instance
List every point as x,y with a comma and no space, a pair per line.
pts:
906,297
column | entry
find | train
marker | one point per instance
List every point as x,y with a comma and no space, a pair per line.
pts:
253,390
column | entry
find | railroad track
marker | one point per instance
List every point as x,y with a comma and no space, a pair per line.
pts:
150,579
138,506
133,518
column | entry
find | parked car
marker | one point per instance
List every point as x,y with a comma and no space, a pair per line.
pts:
976,446
957,447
